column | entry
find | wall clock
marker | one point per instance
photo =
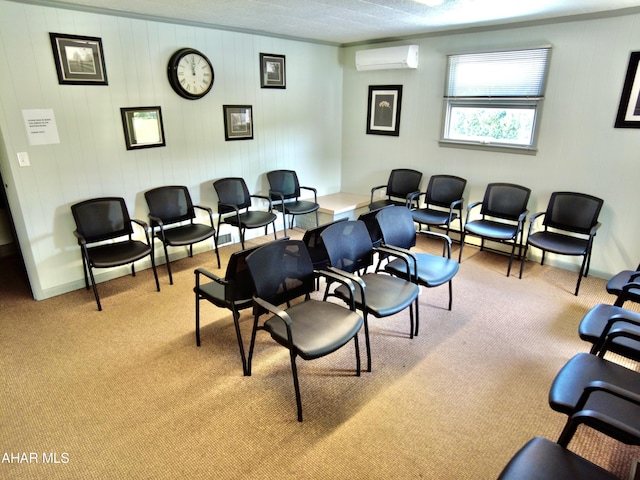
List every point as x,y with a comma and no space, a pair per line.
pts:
190,73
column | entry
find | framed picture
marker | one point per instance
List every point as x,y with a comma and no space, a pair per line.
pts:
272,71
79,60
142,127
383,112
629,109
238,122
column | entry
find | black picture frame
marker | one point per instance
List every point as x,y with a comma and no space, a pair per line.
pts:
273,71
629,109
79,60
383,110
238,122
142,127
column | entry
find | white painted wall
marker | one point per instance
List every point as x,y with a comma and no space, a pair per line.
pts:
579,150
299,127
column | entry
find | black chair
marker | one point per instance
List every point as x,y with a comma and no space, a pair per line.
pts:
282,272
233,292
350,253
443,203
172,213
570,224
542,459
503,213
234,202
625,286
402,184
398,231
107,219
284,190
611,328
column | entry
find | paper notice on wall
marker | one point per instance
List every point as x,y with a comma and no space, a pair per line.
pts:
41,126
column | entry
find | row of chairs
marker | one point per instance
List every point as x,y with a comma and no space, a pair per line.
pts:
173,221
342,252
567,227
593,391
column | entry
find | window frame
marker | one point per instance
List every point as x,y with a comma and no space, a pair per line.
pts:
514,102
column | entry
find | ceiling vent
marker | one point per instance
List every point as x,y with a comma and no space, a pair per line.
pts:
405,56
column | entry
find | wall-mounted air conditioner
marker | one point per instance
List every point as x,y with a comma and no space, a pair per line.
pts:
405,56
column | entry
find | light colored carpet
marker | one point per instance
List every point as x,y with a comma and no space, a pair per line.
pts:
126,394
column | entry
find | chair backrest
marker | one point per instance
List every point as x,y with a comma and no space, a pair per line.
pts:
233,191
443,190
240,283
369,219
281,271
397,227
348,245
102,218
172,204
285,182
402,182
574,212
505,200
313,240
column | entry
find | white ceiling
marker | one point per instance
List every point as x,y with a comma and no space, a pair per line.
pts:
346,22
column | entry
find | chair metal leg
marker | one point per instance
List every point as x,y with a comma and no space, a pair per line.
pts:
95,289
236,321
357,345
580,273
252,344
461,245
197,320
296,384
450,294
166,257
367,342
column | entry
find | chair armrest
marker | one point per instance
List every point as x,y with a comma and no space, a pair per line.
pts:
264,197
523,216
343,279
315,192
456,203
206,209
212,276
376,188
415,197
631,285
470,207
80,237
403,254
230,206
614,321
594,229
144,226
355,279
279,195
618,332
156,220
445,238
408,199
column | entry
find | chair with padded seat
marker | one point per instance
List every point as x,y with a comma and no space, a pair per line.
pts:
234,204
351,253
398,231
285,191
542,459
443,203
233,292
403,183
625,286
606,326
369,219
503,212
282,274
570,225
312,238
172,215
105,222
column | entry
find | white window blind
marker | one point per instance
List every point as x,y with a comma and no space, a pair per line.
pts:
507,74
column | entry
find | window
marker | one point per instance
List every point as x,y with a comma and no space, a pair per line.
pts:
493,99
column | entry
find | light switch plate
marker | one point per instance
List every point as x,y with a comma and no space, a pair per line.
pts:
23,159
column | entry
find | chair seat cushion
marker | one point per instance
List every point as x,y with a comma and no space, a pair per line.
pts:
429,216
433,270
385,295
219,295
252,219
615,285
558,243
297,207
542,459
318,328
187,234
594,322
580,371
115,254
491,229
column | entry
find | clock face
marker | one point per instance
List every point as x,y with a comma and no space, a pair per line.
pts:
190,73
